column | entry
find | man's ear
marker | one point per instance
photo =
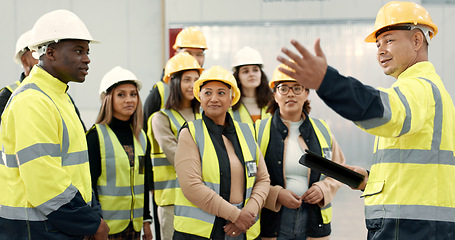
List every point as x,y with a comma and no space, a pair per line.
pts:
418,39
50,53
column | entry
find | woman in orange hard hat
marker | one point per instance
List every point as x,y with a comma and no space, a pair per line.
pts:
181,72
222,175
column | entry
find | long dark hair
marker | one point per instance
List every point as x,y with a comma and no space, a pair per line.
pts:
107,110
273,105
263,92
175,93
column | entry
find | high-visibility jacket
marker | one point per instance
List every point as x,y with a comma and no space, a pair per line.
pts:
120,186
319,225
45,161
413,172
163,89
242,114
408,194
164,177
5,93
190,219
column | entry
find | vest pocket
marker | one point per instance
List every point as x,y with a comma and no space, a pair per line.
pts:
373,188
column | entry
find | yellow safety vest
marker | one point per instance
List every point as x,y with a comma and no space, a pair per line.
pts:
325,141
120,187
190,219
413,172
13,86
242,114
44,150
164,177
163,89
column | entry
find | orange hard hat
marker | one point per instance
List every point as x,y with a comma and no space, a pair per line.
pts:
399,13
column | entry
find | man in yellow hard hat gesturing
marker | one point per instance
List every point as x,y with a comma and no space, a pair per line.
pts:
409,193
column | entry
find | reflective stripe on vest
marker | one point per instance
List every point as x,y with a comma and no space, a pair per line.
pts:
120,187
43,149
323,135
164,177
13,86
188,217
38,150
163,89
405,165
242,114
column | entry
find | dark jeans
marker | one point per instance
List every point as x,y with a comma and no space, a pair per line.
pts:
293,223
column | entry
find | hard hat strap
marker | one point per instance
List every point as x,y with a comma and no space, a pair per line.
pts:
391,28
425,30
42,50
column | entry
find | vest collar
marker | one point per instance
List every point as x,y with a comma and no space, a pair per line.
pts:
418,69
45,80
218,129
283,129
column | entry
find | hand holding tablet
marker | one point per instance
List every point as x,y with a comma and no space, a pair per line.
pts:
331,169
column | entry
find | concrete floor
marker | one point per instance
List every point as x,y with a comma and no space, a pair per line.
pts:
348,221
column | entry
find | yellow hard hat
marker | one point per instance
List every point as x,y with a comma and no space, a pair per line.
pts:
217,73
278,76
397,13
179,62
190,38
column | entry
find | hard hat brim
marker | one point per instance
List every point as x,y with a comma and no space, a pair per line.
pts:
198,84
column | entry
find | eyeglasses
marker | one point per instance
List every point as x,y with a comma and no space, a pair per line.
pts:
284,89
195,54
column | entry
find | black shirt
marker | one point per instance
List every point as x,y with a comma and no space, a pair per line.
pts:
124,133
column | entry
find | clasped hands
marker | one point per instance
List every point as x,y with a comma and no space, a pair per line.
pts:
291,200
245,220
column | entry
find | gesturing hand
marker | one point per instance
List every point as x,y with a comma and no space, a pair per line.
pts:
308,69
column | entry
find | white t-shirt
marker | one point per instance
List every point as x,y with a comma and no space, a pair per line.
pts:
296,174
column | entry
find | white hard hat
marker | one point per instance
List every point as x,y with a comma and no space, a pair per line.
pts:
22,42
247,56
116,75
57,25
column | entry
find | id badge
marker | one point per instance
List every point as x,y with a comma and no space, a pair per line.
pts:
141,164
251,168
327,154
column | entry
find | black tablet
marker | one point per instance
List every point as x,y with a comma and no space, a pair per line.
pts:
331,169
